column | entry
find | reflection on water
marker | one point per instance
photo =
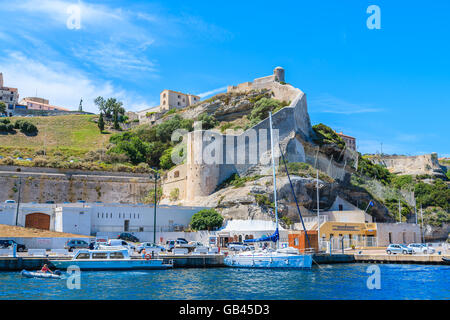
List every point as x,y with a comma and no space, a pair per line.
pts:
346,281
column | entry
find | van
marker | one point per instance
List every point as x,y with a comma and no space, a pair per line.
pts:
120,243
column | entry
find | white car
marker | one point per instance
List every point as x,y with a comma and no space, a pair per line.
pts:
239,246
149,247
421,248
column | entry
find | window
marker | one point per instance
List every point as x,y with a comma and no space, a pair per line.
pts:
341,207
295,241
98,214
99,255
83,256
176,174
116,255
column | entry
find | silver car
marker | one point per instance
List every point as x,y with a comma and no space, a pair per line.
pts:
398,248
421,248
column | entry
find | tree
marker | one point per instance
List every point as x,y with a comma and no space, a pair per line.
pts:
110,108
206,219
2,108
101,123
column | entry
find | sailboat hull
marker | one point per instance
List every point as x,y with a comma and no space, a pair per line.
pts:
269,261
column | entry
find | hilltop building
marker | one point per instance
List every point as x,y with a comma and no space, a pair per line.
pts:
35,103
168,100
260,83
350,141
9,96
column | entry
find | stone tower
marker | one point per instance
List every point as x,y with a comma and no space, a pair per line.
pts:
1,80
278,72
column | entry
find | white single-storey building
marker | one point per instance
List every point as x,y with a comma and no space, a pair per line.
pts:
98,218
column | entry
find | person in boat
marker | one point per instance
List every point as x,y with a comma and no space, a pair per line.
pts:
91,246
143,253
46,269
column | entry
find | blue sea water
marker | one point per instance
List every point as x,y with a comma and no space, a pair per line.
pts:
345,281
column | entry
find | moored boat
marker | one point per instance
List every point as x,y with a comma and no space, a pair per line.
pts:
109,260
269,258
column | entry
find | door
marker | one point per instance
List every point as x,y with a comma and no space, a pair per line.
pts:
126,225
37,221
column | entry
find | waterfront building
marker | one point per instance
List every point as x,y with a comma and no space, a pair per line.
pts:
350,141
9,96
98,219
240,230
346,224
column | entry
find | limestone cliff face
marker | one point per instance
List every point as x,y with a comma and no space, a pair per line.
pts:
426,164
43,184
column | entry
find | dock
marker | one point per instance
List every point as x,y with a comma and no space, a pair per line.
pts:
179,261
399,258
217,260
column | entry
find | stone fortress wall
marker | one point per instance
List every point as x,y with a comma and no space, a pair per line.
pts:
293,123
412,165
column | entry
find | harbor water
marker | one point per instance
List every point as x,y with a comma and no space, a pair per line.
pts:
344,281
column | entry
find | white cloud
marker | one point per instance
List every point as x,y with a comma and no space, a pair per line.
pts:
62,85
211,92
330,104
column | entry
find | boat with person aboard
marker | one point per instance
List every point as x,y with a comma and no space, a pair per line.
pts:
271,258
110,260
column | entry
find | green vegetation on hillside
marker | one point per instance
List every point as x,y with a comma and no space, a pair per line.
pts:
326,135
149,144
374,171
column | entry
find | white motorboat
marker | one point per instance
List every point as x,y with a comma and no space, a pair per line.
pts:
269,258
109,260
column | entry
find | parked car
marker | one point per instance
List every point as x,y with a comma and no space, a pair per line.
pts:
10,201
179,243
149,246
50,202
238,246
121,243
8,243
76,244
128,237
421,248
398,248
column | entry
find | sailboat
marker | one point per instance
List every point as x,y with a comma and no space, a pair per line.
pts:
270,258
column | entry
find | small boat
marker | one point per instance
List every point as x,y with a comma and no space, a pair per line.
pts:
39,274
109,260
446,260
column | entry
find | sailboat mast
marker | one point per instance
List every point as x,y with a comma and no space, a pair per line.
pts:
273,170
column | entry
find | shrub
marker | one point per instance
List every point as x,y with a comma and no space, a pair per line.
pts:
326,135
208,121
174,194
263,107
206,219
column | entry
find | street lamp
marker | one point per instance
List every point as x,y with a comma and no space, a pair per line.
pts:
155,175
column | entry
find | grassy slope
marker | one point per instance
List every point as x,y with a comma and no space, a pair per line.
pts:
73,134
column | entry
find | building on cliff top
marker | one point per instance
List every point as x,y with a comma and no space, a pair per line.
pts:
9,96
350,141
35,103
168,99
259,83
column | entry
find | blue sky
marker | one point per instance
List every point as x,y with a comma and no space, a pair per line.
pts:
389,86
